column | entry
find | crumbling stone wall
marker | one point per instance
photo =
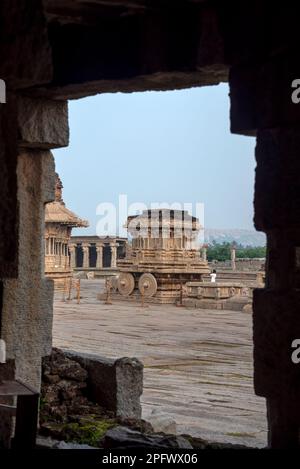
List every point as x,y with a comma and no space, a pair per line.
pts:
87,394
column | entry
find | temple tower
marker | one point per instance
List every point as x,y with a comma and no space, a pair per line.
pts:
59,221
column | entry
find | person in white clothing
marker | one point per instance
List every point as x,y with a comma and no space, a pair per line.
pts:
213,276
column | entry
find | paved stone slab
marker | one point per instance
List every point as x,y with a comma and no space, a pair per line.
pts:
198,363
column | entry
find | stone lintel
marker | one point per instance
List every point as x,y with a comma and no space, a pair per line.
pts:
42,123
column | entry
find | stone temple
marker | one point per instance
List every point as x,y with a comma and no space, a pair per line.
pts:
164,256
59,221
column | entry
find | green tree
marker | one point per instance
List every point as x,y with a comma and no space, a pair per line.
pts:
218,252
251,252
221,252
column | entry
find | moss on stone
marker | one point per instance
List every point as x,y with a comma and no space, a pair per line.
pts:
87,431
42,402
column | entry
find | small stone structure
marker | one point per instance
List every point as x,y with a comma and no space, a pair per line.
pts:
59,222
163,256
96,254
72,381
251,279
116,385
219,295
83,395
240,264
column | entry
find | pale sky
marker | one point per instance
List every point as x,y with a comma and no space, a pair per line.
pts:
158,147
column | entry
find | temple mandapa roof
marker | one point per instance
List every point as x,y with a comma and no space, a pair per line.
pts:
56,212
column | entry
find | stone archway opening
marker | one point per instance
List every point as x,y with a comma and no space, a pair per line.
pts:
229,396
51,54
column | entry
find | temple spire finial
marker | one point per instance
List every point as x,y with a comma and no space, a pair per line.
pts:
58,189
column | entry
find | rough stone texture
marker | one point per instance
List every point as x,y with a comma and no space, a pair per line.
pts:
26,319
7,373
64,391
276,325
115,384
27,301
159,50
8,189
49,443
261,95
162,422
42,123
67,409
65,445
129,387
25,51
122,437
277,198
275,372
276,309
57,364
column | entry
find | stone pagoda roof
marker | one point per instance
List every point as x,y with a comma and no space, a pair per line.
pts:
162,219
57,212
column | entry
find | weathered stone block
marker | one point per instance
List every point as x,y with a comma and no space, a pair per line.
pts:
42,123
129,387
114,384
277,182
26,57
122,437
276,324
162,422
261,94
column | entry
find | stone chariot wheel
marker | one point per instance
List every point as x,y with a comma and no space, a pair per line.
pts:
148,285
125,284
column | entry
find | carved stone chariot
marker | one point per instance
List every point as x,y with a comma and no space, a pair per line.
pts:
163,257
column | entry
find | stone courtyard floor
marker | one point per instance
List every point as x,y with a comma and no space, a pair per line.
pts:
198,363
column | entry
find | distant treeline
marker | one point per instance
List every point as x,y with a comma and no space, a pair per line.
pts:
221,252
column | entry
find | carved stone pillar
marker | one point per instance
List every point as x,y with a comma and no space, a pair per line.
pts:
72,250
99,262
86,255
233,252
113,247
